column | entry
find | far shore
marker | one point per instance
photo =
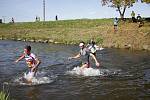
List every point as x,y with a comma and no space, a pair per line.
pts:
129,35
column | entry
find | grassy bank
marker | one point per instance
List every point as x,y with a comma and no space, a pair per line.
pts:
73,31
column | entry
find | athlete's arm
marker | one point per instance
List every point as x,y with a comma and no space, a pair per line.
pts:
20,58
37,64
77,56
96,62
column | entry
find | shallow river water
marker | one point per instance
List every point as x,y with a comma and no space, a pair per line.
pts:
123,75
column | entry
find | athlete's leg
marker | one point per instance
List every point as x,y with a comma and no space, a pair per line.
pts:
84,66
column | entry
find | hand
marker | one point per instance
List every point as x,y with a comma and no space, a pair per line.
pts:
97,64
16,61
69,58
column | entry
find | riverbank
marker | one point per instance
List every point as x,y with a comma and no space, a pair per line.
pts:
128,36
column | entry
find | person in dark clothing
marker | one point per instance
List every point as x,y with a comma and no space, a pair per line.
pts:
56,17
139,20
133,16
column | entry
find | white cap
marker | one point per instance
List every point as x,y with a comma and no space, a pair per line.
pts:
81,44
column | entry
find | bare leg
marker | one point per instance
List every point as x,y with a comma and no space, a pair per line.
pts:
34,70
83,66
31,75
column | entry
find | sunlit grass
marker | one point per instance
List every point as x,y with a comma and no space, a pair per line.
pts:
63,31
74,31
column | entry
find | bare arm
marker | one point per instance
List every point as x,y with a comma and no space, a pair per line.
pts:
77,56
96,62
20,58
37,64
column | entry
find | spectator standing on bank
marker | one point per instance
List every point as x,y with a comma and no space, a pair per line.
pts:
115,24
56,17
133,16
12,20
139,20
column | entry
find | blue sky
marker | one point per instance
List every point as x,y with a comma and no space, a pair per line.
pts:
26,10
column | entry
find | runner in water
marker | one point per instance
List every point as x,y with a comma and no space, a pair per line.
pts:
84,55
31,60
93,47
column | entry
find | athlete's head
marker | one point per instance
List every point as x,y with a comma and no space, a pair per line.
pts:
27,49
81,45
92,42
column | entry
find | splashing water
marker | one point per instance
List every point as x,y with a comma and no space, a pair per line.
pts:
92,72
29,75
40,78
85,72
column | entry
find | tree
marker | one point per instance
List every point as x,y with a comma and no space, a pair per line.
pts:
146,1
121,5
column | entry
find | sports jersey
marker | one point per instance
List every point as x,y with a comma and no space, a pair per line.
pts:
30,60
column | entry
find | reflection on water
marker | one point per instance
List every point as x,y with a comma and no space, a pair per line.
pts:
124,74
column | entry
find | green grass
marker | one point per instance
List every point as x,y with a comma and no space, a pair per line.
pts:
85,23
74,31
65,31
4,96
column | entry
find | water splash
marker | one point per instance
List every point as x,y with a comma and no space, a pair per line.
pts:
28,76
93,72
40,78
85,72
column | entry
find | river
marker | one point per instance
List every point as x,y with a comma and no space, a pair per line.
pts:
123,75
